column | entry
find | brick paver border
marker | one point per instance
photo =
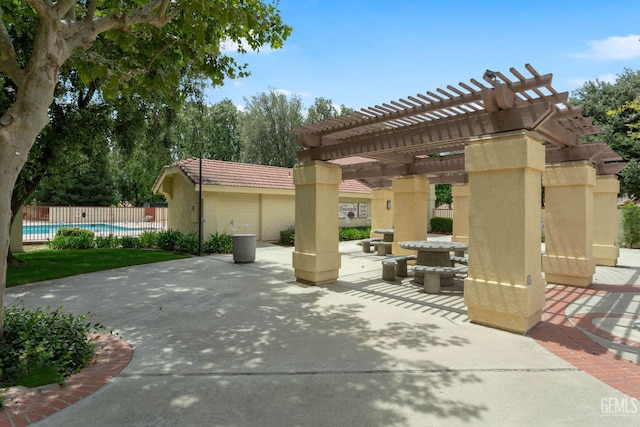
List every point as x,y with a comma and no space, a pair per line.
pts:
560,335
24,406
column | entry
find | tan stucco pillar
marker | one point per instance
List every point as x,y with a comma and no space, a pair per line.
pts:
316,259
460,194
504,288
432,205
15,242
381,209
411,203
568,258
605,220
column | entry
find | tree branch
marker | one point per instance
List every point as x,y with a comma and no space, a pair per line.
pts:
8,61
83,33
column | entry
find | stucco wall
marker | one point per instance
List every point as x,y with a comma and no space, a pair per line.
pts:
278,212
183,205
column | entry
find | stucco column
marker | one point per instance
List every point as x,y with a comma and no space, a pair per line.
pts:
568,258
316,259
460,194
432,205
504,288
381,213
605,220
411,200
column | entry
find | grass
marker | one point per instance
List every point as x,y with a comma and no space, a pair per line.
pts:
47,264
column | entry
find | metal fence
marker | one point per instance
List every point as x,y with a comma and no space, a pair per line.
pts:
40,223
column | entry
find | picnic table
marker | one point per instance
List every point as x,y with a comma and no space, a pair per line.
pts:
434,253
387,234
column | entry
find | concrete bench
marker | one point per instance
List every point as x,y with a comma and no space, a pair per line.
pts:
366,244
431,275
383,248
395,266
460,260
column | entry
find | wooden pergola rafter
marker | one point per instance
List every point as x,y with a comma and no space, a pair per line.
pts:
426,134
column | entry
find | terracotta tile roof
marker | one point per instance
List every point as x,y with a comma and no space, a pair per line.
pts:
231,174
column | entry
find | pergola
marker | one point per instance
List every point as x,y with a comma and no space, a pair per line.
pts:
494,138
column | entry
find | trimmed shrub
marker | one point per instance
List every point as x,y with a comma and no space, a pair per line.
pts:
168,240
72,238
354,233
218,244
37,340
149,239
187,243
130,242
288,236
441,225
110,241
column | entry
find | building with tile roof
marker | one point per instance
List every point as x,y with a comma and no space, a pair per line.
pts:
245,198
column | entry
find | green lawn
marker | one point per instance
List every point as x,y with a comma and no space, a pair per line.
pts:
46,264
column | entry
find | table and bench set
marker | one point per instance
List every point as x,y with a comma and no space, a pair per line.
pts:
434,265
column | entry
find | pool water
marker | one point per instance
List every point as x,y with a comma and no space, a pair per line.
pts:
53,228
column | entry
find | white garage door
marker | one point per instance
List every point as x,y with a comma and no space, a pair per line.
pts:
242,209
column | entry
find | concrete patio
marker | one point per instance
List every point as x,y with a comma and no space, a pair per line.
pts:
217,343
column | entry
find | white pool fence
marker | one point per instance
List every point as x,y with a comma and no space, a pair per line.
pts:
40,223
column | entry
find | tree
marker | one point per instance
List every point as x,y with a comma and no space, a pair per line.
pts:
443,194
214,129
161,39
611,106
324,109
266,129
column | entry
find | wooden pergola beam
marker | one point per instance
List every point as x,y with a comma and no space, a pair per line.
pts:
451,130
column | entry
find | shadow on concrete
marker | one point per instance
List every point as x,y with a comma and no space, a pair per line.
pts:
230,344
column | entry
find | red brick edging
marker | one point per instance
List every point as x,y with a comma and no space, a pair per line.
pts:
24,406
559,334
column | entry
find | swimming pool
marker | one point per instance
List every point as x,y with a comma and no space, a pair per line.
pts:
98,228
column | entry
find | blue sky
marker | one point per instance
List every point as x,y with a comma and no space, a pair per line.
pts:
360,53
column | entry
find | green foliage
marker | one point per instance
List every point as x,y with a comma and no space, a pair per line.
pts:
631,224
443,194
187,243
168,240
266,129
354,233
72,238
47,342
441,225
149,239
218,244
613,106
324,109
110,241
288,236
210,130
130,242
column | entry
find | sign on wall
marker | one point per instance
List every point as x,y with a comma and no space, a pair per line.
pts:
354,210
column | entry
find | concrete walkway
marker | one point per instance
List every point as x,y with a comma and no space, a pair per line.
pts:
218,343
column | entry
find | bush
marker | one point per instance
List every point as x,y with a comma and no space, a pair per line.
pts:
631,224
168,240
149,239
107,242
441,225
37,341
187,244
218,244
288,236
130,242
72,238
354,233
